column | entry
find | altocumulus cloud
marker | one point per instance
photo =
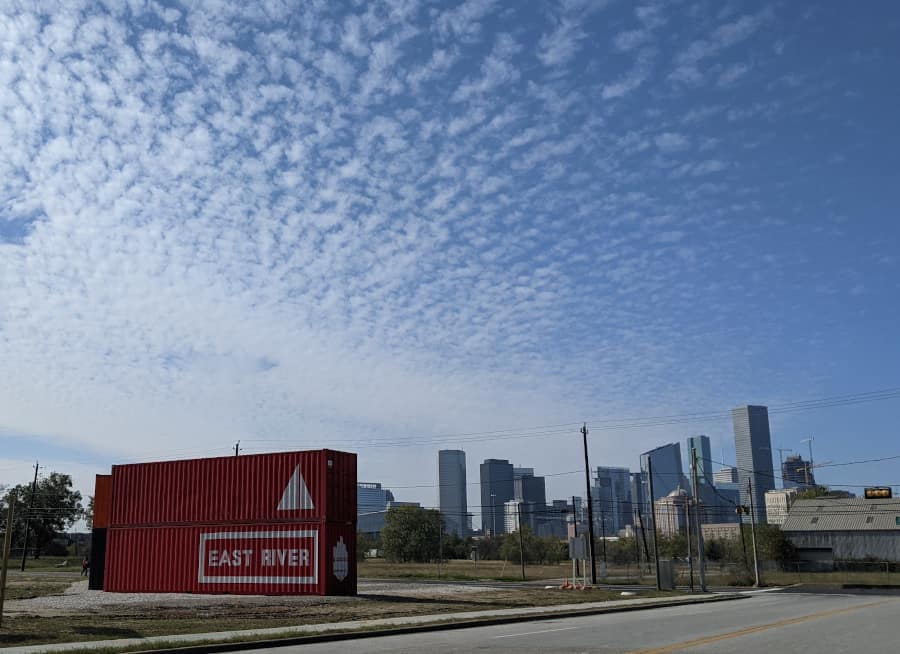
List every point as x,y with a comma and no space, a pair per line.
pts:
263,222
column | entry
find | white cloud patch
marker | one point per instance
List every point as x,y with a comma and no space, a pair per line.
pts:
688,62
339,225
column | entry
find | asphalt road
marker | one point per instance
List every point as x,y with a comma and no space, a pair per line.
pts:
785,623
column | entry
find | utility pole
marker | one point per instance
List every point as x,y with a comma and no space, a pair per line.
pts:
653,513
753,535
28,515
440,543
237,448
644,539
687,524
575,533
7,541
521,538
590,507
603,535
700,551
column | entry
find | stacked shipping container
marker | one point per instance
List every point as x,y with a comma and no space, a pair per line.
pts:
262,524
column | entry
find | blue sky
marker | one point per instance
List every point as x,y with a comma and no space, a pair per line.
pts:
355,224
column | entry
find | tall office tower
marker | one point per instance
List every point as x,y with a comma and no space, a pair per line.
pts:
753,445
668,474
704,458
637,496
497,489
611,494
726,475
795,473
452,491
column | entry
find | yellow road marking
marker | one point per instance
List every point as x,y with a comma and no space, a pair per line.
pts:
752,630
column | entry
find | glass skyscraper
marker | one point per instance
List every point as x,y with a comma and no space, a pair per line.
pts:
704,458
668,473
452,491
753,446
497,489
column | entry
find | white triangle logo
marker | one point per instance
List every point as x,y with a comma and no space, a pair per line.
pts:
296,494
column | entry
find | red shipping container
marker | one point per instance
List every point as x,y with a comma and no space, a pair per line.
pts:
300,558
263,524
270,488
102,499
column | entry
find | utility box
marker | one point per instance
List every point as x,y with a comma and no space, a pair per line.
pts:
272,524
666,574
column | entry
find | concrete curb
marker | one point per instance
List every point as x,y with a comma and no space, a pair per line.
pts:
338,636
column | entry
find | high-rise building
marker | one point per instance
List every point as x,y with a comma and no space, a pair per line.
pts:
372,504
497,489
671,512
637,498
611,494
528,488
668,475
753,446
796,473
452,491
726,475
516,512
704,458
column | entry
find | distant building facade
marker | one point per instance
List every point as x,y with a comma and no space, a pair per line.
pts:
726,475
721,531
611,495
668,474
452,491
372,503
753,446
497,488
704,458
671,513
796,473
778,503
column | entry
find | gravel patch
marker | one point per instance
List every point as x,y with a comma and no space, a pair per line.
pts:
78,599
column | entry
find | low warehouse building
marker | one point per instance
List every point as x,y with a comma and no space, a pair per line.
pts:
825,530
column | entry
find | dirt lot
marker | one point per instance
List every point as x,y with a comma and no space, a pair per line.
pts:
79,614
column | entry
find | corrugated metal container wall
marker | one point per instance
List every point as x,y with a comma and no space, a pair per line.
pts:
287,486
263,524
301,558
102,501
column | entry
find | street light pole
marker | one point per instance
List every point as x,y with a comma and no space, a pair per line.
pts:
590,507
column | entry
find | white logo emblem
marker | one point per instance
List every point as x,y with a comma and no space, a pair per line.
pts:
296,494
341,560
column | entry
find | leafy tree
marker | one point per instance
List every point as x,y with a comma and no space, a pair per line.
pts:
56,507
411,533
813,493
88,513
364,543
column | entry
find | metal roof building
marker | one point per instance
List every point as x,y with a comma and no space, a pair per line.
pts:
838,529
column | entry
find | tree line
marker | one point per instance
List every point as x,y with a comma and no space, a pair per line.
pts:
414,534
49,508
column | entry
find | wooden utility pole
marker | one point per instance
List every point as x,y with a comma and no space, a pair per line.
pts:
28,515
7,541
753,535
590,507
521,539
700,553
653,513
237,448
